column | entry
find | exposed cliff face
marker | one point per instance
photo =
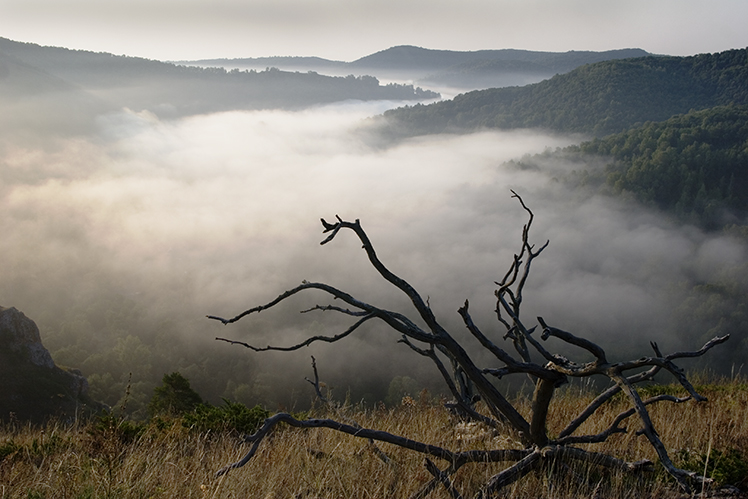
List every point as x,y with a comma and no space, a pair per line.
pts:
32,387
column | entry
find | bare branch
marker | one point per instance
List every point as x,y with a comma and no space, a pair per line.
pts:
484,341
614,427
305,343
382,436
467,379
463,405
591,347
442,477
316,383
304,285
667,364
512,474
337,410
327,308
683,477
423,310
604,397
599,459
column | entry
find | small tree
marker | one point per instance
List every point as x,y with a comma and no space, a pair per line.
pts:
469,383
174,397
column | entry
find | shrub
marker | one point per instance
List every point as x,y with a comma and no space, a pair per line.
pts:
231,416
726,468
174,397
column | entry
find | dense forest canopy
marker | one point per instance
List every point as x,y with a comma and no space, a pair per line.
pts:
598,99
695,165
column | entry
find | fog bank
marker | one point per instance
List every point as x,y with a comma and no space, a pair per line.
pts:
213,214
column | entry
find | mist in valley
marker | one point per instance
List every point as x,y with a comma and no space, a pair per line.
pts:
118,241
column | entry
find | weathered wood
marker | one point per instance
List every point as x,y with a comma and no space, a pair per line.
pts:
467,377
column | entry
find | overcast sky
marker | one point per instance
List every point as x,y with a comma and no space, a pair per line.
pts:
349,29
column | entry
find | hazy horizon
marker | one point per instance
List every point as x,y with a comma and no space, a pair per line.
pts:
334,30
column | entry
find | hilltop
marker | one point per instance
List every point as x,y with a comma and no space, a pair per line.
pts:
170,90
460,69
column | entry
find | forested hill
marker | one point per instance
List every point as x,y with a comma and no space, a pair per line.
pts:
599,99
408,57
693,166
173,90
467,70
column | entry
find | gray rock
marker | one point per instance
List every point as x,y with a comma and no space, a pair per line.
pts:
20,334
33,388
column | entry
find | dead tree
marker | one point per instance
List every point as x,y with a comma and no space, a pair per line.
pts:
467,381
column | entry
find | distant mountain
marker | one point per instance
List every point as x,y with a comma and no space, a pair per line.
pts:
171,90
289,63
598,99
407,57
461,69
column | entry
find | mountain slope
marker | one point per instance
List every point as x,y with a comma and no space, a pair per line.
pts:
171,90
598,99
416,58
466,70
33,98
693,165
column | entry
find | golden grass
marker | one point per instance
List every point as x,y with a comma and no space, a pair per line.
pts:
63,462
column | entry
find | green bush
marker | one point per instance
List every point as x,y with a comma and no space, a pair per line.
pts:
232,416
107,425
174,397
8,449
726,468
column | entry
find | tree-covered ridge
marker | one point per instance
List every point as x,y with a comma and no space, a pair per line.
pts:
694,165
172,90
601,98
411,57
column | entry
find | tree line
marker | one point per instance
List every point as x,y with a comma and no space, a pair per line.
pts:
598,99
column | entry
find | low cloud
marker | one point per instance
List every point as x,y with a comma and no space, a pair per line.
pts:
213,214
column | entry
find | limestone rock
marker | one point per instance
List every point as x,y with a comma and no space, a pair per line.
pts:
32,387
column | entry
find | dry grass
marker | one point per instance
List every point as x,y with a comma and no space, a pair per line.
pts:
173,462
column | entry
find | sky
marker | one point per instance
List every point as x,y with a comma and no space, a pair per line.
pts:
349,29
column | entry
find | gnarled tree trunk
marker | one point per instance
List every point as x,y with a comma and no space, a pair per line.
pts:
466,378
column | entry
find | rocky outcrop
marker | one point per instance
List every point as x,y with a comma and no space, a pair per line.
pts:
32,387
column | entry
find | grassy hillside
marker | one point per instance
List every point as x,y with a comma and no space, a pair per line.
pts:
599,99
165,459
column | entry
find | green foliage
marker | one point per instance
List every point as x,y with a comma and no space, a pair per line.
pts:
692,165
8,449
231,416
602,98
174,397
109,426
725,467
